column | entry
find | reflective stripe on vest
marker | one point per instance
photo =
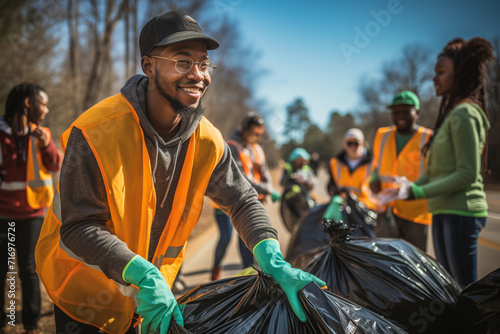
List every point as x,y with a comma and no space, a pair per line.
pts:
85,294
381,149
37,182
39,189
13,185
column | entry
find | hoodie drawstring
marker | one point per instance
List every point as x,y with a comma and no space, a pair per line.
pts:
173,173
156,160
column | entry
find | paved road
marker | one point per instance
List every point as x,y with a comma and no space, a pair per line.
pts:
200,249
489,239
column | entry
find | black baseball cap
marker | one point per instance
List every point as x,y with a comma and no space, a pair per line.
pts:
169,28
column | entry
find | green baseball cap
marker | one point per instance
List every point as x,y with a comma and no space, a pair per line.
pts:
406,97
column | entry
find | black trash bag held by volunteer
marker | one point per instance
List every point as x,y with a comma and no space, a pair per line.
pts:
257,304
388,276
479,304
309,233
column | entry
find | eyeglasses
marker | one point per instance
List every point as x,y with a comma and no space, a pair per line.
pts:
185,65
352,144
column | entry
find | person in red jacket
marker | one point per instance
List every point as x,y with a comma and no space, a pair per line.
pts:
27,156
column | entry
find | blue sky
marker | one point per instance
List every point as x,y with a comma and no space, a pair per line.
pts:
315,49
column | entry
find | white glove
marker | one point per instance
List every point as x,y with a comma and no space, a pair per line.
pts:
404,185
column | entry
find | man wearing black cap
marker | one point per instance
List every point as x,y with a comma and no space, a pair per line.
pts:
131,189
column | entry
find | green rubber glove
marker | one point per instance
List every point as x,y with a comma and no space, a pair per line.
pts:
157,304
292,280
275,196
332,211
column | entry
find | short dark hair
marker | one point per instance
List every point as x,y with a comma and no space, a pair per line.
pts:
251,119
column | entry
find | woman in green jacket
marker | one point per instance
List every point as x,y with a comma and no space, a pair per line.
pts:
453,183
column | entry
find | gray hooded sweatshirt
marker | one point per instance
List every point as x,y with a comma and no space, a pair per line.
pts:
84,206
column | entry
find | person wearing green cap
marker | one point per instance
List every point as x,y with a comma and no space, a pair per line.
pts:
297,169
397,152
297,180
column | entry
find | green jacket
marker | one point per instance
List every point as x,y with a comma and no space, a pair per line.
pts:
453,183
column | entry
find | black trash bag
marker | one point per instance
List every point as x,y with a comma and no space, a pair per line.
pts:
358,217
479,304
390,277
176,328
295,203
309,233
257,304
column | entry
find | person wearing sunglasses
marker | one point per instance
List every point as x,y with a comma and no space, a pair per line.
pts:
397,152
131,190
350,168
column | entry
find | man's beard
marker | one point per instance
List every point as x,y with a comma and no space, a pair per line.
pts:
177,107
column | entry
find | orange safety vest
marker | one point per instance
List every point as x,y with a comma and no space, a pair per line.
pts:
352,181
249,161
409,162
112,131
39,188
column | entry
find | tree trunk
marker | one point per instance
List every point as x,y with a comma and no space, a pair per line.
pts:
73,14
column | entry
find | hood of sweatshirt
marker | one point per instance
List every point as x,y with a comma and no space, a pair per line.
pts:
135,90
163,155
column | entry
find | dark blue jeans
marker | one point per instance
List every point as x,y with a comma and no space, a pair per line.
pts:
226,229
455,244
23,235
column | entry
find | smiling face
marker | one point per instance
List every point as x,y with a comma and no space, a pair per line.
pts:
404,118
443,79
182,91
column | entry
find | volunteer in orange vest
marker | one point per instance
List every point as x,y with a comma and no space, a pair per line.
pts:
397,151
137,167
251,160
28,155
351,167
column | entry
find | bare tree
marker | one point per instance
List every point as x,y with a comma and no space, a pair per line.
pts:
101,38
74,53
413,71
28,40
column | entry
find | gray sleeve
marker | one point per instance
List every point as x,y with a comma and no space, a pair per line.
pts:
85,211
232,192
261,188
